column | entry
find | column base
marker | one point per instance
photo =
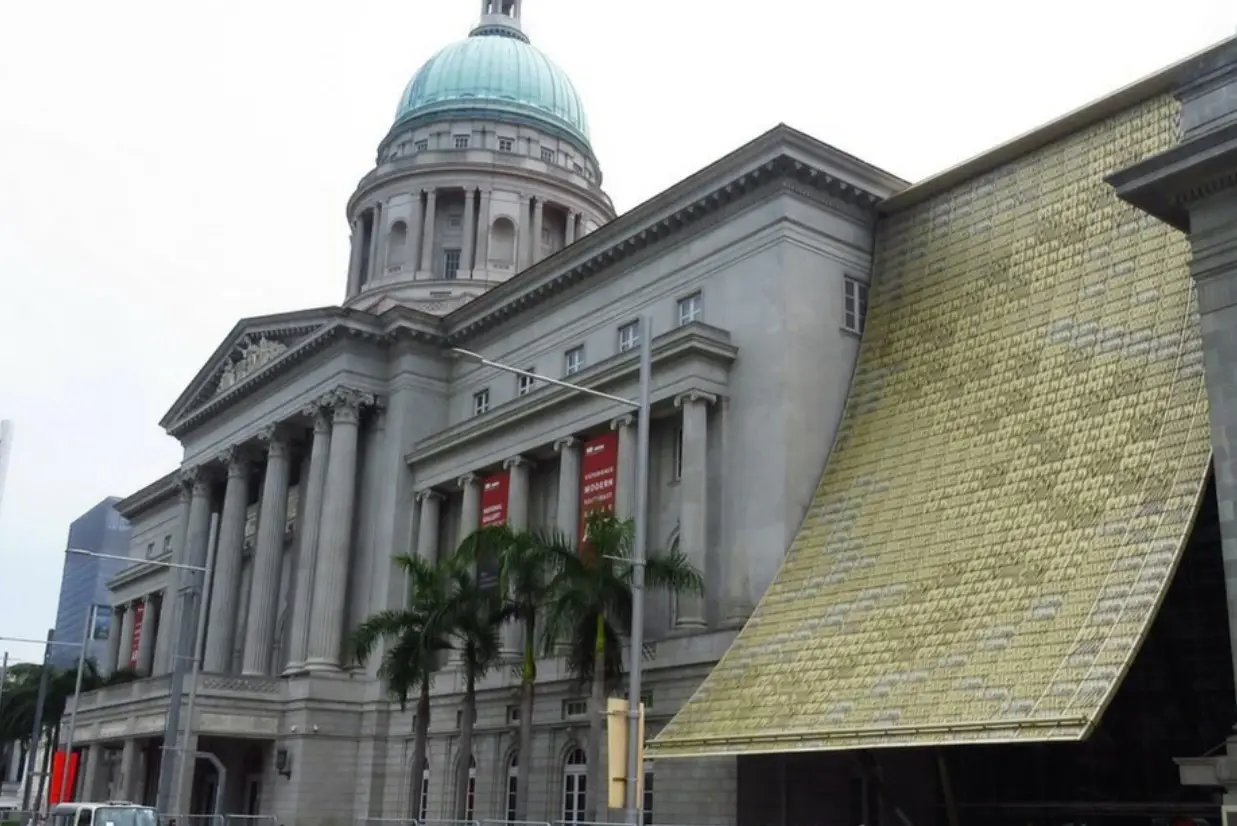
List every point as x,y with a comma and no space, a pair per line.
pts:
318,665
691,624
292,669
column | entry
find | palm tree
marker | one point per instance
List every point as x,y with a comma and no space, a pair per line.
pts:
475,615
527,561
589,611
414,645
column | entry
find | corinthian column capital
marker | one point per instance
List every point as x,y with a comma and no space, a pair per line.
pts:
236,460
274,438
346,403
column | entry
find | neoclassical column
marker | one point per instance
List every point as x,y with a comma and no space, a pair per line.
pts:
375,248
470,229
693,499
314,488
89,784
127,627
430,502
470,513
517,517
168,605
225,592
570,232
567,513
267,555
358,255
625,484
415,231
427,235
113,639
129,770
538,223
524,229
483,232
146,641
335,531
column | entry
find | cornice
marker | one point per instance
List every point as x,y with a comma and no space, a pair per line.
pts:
156,493
141,569
691,340
780,155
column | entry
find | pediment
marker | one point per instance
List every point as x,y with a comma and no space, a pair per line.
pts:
254,348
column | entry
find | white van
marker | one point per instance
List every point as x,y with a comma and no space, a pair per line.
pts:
111,813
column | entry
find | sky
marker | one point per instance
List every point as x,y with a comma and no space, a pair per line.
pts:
167,169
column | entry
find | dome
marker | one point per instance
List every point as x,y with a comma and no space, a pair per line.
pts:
496,75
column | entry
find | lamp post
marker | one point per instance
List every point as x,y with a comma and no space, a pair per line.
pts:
172,730
639,546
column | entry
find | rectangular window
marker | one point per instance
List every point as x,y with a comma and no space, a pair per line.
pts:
167,544
481,402
461,141
855,305
678,454
150,550
422,145
506,144
690,309
513,714
459,717
450,263
455,221
628,336
573,360
575,708
525,384
547,154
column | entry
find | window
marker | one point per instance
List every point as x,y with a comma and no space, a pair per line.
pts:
461,141
646,697
575,708
455,221
628,336
450,264
425,793
547,154
513,780
513,714
647,805
855,305
167,544
573,360
525,384
545,236
150,550
577,169
506,144
481,402
690,309
472,789
677,472
575,787
422,145
459,718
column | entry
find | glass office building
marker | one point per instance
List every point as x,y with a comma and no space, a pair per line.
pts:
84,580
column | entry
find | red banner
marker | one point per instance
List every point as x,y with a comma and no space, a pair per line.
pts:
598,477
53,793
139,609
494,499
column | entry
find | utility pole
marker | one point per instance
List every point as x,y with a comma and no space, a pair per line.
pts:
36,733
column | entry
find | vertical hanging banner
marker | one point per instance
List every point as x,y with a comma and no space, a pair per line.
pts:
493,512
598,479
58,770
139,610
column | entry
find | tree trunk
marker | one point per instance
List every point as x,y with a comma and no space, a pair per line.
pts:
53,737
465,762
528,690
596,798
421,726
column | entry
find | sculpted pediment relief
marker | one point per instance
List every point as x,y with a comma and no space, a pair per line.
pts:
250,356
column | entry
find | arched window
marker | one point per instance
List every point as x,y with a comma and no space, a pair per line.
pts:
471,808
502,243
397,246
513,779
424,806
575,786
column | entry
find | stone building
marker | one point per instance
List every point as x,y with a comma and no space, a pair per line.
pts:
1017,457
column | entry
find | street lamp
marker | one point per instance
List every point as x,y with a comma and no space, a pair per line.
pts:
639,550
172,730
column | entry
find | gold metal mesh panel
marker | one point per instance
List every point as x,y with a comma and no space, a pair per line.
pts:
1016,473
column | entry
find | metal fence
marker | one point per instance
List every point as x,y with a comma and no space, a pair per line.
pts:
217,820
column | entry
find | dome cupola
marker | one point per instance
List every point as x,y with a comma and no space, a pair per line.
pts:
495,73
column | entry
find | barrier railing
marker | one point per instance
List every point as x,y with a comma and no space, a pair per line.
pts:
217,820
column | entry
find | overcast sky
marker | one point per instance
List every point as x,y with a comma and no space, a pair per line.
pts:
169,168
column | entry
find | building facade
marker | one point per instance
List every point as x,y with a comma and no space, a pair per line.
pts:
320,443
84,583
326,441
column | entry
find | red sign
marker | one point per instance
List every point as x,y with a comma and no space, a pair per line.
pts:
139,609
598,477
494,499
53,793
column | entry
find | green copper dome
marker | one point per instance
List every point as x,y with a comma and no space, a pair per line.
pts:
495,73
